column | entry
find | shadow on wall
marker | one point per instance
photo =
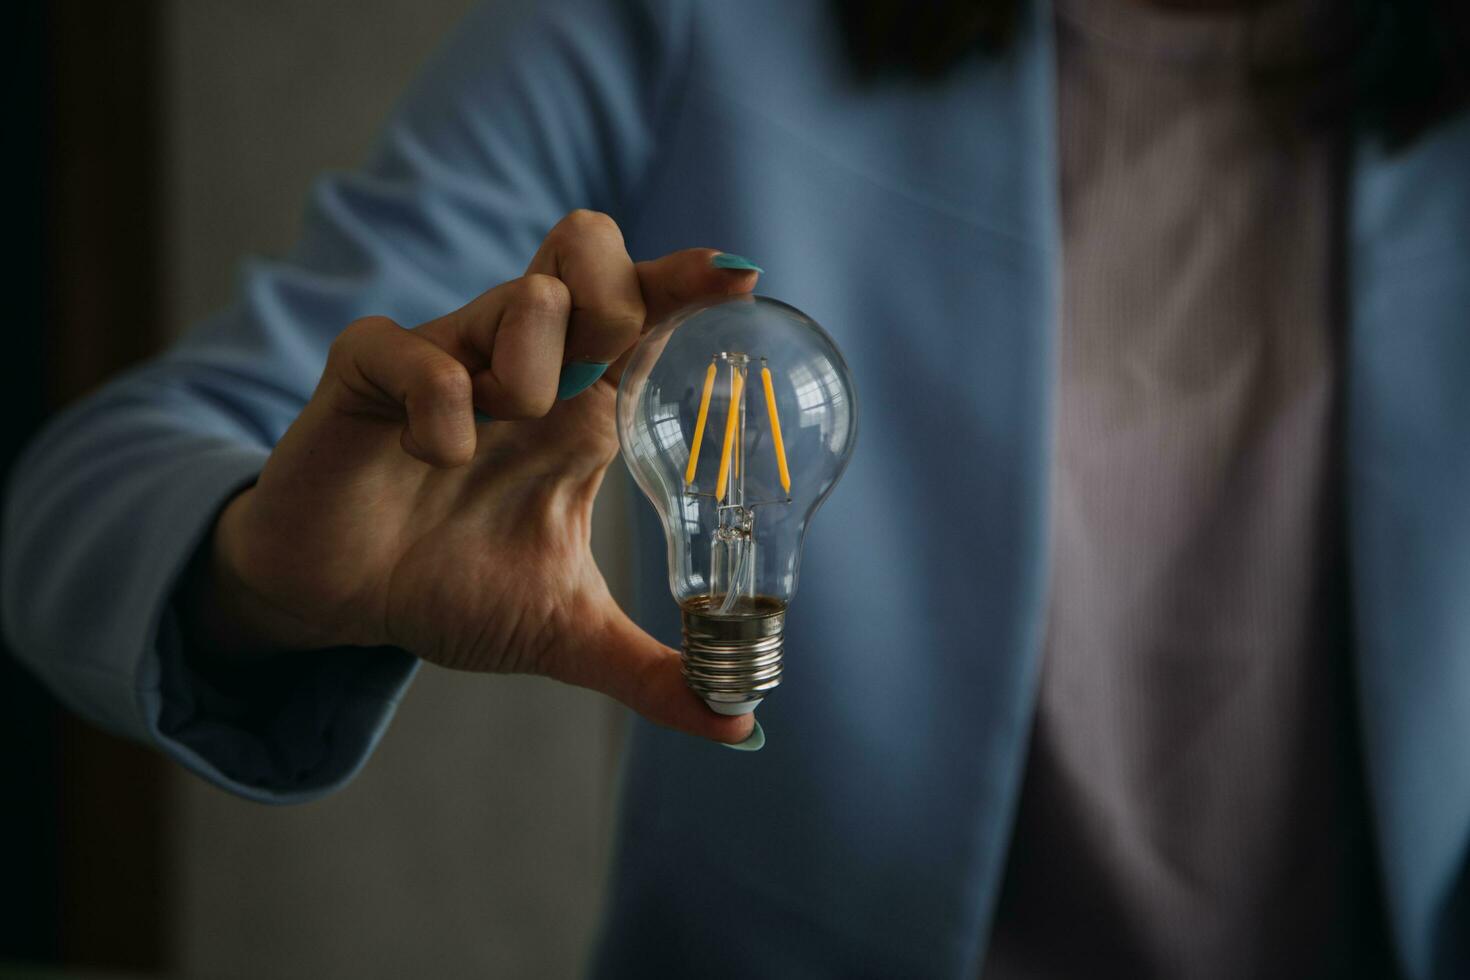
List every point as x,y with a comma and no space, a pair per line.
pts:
181,136
84,861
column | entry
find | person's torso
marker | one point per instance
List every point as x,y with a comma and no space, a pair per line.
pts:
918,224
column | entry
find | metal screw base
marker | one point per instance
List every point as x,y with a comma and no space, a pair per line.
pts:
733,658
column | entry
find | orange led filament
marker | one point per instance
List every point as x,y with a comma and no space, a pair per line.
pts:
731,418
730,451
776,440
709,389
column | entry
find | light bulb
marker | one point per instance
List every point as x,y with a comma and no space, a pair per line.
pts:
736,419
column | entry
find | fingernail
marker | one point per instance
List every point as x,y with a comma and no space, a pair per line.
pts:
482,417
729,260
752,743
577,377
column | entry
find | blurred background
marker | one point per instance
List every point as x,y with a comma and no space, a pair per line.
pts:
158,143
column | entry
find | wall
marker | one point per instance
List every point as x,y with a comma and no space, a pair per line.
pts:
475,841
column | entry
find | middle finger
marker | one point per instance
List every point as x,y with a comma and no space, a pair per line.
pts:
586,252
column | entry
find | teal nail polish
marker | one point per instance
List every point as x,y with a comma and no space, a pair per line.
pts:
729,260
482,417
577,377
752,743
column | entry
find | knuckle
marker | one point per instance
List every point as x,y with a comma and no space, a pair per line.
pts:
444,380
523,401
542,294
355,339
360,331
585,219
369,326
584,223
626,320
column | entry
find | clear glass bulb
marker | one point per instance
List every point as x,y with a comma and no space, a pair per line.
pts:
736,418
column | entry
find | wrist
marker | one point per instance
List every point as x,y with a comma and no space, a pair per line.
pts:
224,615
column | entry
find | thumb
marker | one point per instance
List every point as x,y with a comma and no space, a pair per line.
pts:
624,662
680,278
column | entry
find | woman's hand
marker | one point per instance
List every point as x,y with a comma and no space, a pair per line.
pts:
387,516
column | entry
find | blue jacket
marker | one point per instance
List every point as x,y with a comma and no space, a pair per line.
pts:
919,225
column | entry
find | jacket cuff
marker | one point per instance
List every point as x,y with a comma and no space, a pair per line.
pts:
284,730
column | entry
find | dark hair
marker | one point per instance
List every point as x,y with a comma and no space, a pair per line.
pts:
924,38
1413,66
1413,70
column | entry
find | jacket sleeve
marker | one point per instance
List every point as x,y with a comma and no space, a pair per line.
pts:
524,115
